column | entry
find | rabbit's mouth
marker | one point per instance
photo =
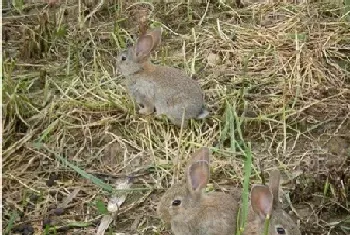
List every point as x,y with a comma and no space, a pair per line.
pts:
117,71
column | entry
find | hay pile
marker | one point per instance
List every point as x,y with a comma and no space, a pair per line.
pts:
283,70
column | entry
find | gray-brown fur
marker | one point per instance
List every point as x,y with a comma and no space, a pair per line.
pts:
279,219
199,213
216,212
165,89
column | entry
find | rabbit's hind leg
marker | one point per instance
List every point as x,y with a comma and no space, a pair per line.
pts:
178,122
176,114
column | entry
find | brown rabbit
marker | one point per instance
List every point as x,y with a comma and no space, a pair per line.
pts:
191,211
264,201
161,89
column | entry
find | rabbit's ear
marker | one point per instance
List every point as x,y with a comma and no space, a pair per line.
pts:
143,46
201,154
261,200
274,185
156,35
198,171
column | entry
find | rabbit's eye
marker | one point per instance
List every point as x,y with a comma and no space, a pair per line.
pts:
280,230
123,57
176,203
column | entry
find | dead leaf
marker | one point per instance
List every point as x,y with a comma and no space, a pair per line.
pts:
104,225
117,200
68,199
213,59
113,205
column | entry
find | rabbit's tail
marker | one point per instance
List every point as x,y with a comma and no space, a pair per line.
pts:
203,114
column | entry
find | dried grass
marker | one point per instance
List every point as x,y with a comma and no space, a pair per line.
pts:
284,67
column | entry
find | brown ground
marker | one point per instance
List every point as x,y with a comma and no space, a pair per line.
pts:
284,66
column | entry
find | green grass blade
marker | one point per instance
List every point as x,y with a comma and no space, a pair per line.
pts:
81,172
347,9
233,125
12,219
267,224
86,175
245,193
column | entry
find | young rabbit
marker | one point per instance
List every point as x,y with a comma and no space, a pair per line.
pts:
264,201
161,89
191,211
